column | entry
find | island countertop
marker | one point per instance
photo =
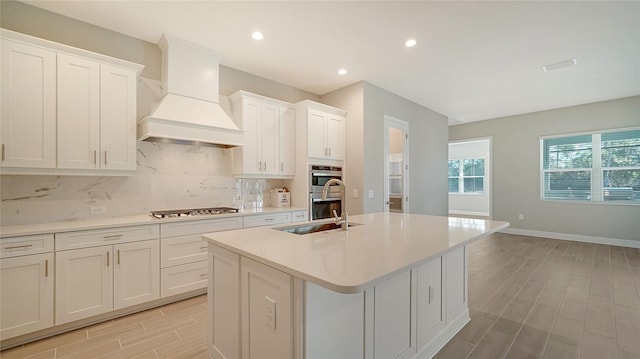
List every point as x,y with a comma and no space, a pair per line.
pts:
379,247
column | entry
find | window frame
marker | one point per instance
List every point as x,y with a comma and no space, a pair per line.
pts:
596,172
461,177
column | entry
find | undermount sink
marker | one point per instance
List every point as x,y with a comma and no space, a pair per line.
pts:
312,227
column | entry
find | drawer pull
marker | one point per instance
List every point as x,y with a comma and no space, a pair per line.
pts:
269,219
18,247
201,248
203,275
115,236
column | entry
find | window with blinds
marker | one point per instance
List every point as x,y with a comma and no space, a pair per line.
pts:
597,167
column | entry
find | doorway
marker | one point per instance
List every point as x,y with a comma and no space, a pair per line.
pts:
396,159
470,181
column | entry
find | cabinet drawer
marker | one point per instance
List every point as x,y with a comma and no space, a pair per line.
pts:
100,237
25,245
267,219
181,250
298,216
200,226
183,278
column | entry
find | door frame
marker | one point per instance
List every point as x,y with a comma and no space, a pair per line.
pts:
392,122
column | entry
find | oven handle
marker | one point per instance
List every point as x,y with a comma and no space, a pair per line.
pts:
326,174
330,199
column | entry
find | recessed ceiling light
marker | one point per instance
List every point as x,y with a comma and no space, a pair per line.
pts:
342,72
257,35
559,65
410,43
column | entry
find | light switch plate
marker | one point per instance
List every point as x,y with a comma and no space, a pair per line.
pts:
370,193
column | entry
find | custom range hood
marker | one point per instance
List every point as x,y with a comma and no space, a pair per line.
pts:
189,112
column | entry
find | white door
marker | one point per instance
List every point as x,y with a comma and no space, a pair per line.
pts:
336,137
26,297
270,132
394,318
136,273
78,112
316,134
287,141
396,159
28,122
84,283
117,118
430,316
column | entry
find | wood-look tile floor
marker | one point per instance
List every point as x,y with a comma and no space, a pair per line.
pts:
529,298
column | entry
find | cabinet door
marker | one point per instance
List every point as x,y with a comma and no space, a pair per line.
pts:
393,317
266,311
287,142
136,273
336,137
251,151
84,283
28,123
270,134
26,295
430,316
456,277
316,132
117,118
78,112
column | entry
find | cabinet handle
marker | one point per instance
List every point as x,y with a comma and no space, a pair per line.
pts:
46,268
201,248
203,275
95,156
113,237
430,294
17,247
269,219
107,259
281,167
3,151
118,257
105,158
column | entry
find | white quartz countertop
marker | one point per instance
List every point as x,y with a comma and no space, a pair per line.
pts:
382,246
43,228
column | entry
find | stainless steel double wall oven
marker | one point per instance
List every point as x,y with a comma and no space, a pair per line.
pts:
318,176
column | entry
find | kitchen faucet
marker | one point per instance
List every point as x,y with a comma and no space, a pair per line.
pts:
343,220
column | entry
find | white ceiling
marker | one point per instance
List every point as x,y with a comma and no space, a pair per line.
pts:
473,61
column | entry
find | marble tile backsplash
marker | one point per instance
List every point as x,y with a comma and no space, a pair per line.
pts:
169,176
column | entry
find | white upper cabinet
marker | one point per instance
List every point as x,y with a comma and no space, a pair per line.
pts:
78,112
269,128
66,110
325,130
117,118
28,123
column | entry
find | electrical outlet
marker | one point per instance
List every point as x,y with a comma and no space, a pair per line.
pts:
521,216
370,193
98,210
270,310
355,193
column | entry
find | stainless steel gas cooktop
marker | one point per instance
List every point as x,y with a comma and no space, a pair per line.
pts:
193,212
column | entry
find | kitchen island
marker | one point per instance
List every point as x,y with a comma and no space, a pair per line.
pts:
392,286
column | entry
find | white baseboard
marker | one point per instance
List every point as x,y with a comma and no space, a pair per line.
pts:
469,213
574,237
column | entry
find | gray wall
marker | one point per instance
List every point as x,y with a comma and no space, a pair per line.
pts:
367,105
516,169
428,148
351,99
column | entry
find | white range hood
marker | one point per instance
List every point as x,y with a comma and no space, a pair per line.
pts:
189,112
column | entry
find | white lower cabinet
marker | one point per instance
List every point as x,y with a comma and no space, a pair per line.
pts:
183,253
258,311
430,316
101,270
267,219
92,281
26,297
